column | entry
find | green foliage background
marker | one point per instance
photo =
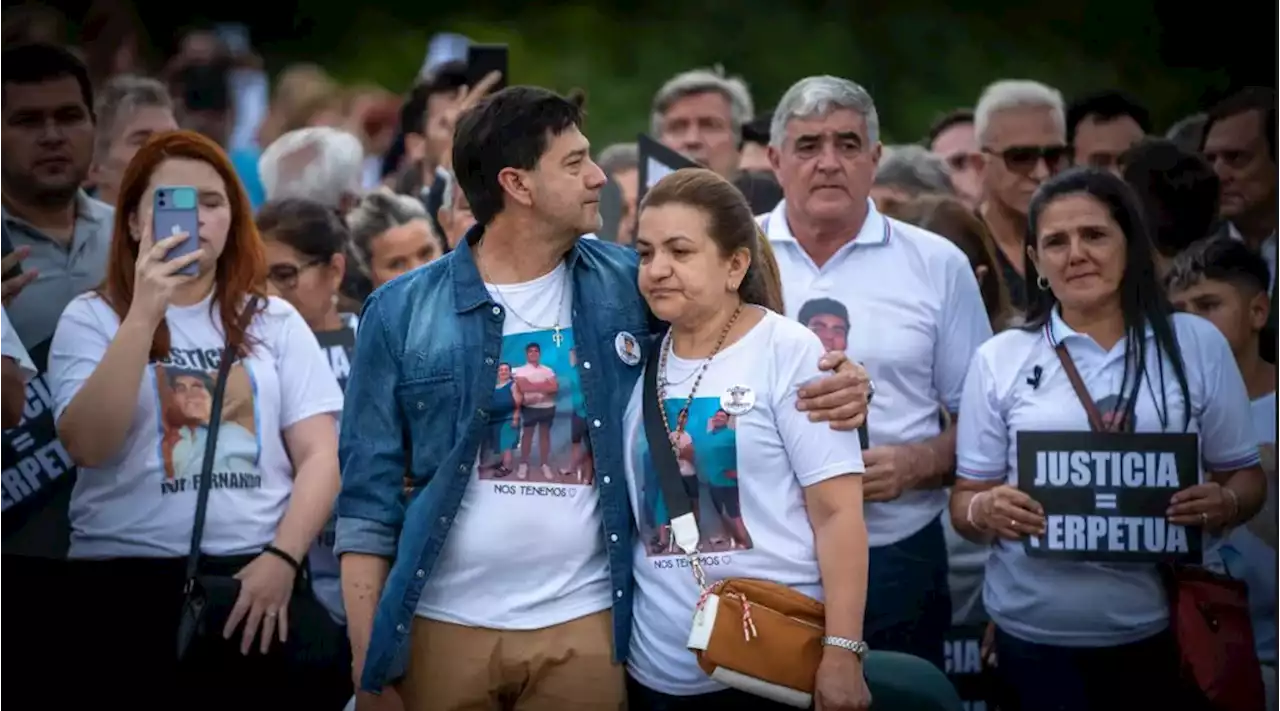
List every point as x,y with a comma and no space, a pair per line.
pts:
917,57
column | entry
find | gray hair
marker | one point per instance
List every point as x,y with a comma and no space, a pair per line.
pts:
1015,94
379,211
1188,132
703,81
619,157
317,163
120,97
450,191
914,170
820,95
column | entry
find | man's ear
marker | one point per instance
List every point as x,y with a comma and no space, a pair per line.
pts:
515,183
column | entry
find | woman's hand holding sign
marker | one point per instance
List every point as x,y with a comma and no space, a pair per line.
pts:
1209,505
1008,512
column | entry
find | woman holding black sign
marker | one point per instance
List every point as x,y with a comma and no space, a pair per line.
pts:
1089,406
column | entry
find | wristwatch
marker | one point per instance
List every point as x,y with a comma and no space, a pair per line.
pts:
858,648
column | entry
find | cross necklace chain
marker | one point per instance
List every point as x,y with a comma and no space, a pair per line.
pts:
683,417
557,338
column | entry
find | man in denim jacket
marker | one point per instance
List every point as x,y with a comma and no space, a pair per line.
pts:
495,380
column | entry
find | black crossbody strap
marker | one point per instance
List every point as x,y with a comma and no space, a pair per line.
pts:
664,457
210,451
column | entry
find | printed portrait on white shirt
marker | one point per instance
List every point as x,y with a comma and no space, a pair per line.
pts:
745,474
142,503
1090,604
903,302
531,503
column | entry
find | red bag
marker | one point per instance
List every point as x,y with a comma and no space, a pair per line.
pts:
1209,618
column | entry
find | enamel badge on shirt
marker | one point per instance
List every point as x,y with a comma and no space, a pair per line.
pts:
738,400
627,348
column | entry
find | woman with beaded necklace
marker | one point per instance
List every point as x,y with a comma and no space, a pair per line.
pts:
776,496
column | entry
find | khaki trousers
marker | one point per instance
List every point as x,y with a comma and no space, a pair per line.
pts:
568,667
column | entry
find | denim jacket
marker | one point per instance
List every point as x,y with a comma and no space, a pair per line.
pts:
417,404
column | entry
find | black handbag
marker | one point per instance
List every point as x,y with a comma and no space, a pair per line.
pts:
207,599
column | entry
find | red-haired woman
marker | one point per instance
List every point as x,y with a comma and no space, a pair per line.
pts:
148,340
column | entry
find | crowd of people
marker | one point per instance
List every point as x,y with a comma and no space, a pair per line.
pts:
394,393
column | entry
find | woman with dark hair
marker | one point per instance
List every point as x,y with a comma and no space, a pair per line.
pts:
275,469
1092,633
306,260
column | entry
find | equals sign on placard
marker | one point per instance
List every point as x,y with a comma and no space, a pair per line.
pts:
1104,501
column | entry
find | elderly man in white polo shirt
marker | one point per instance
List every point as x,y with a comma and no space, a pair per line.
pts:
915,318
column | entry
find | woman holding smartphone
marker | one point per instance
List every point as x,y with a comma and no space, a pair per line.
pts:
133,367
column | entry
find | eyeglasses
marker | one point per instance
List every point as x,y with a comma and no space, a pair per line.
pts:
285,276
1024,159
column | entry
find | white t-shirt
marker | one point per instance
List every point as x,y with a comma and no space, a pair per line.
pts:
142,502
525,550
1017,383
905,303
11,347
751,473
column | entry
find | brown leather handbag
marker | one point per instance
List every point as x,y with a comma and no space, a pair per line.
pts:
754,635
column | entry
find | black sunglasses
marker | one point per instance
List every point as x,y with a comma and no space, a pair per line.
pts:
1024,159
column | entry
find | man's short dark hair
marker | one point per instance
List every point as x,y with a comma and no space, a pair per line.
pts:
1106,106
823,307
39,63
448,78
954,117
1178,190
533,346
1253,98
508,129
1220,259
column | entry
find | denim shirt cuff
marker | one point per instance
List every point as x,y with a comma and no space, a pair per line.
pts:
360,535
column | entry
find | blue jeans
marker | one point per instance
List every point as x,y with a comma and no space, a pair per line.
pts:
1041,677
908,598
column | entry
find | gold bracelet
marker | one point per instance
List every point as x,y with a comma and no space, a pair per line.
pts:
1235,504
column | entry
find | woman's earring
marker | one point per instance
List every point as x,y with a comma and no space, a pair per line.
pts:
1042,283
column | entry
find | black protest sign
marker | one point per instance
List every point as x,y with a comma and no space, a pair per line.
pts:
338,347
1105,495
657,162
36,467
962,656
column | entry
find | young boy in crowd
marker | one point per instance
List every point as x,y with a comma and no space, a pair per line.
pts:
1225,282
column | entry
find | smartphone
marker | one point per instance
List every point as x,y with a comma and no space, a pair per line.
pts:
8,249
485,58
174,211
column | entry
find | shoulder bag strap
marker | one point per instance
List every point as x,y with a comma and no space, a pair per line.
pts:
1090,407
683,524
210,449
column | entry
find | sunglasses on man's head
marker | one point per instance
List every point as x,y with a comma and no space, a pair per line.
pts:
1024,159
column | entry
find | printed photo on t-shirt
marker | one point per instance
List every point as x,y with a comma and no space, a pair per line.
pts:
186,404
537,424
829,319
707,453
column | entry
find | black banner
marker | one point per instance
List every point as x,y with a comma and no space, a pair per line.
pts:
1105,495
36,467
656,162
338,347
963,659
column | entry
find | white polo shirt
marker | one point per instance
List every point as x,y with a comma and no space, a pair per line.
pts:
1085,604
915,319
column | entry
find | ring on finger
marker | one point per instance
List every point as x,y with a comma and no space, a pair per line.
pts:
271,613
1204,518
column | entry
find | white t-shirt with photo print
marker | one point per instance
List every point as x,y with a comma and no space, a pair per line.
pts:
525,550
752,470
142,502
